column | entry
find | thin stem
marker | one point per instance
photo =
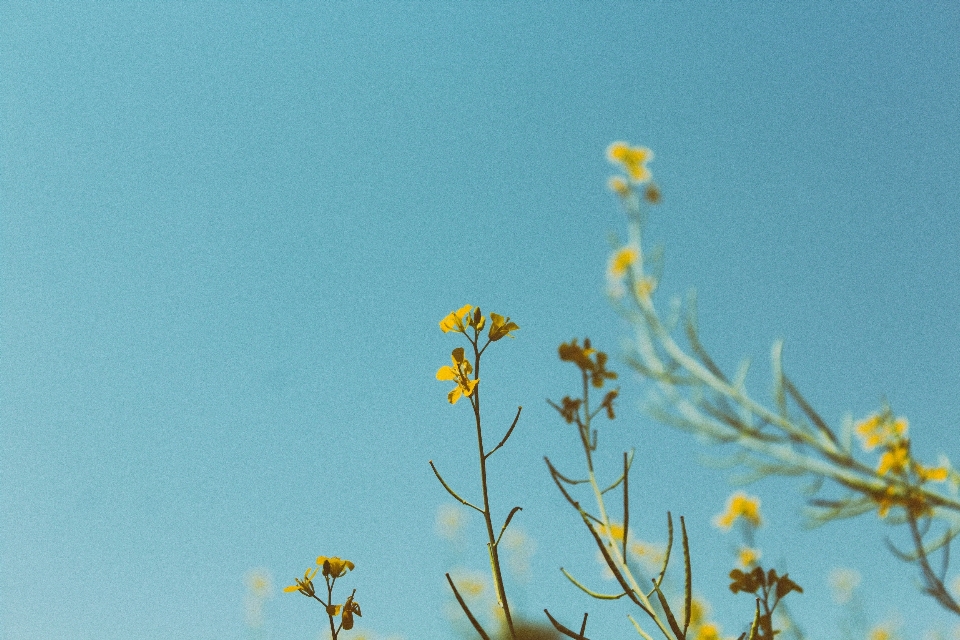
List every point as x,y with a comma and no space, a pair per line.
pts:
451,491
568,632
509,431
466,610
935,586
488,520
333,629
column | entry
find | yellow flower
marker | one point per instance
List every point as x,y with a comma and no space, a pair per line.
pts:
334,567
621,261
881,633
645,286
650,553
913,502
304,586
880,429
748,557
739,505
708,631
450,521
633,160
470,584
615,530
500,327
619,186
936,474
258,581
698,611
454,320
459,372
896,459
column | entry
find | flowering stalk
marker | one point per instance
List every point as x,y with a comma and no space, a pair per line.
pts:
696,395
332,568
470,322
611,538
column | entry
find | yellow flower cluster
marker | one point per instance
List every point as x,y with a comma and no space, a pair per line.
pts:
461,321
881,429
633,160
890,434
739,505
332,568
647,552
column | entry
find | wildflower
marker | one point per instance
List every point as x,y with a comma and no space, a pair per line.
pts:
881,633
913,502
476,320
652,194
571,352
619,186
936,474
450,521
895,459
633,159
258,590
460,373
708,631
304,586
645,286
454,320
748,557
615,530
258,581
739,505
596,369
600,373
334,567
650,553
349,609
843,583
608,403
470,583
520,548
570,409
885,499
698,611
621,261
500,327
881,429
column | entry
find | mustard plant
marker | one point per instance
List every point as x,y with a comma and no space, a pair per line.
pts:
464,372
787,436
613,537
331,569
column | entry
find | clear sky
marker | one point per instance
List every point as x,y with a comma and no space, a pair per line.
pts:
229,231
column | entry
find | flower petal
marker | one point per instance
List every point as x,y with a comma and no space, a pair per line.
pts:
446,373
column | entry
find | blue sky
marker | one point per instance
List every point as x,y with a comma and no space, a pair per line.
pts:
229,232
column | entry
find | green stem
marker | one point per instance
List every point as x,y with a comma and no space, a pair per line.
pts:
488,519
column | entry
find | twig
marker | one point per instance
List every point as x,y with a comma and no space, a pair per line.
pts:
466,610
451,491
509,431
